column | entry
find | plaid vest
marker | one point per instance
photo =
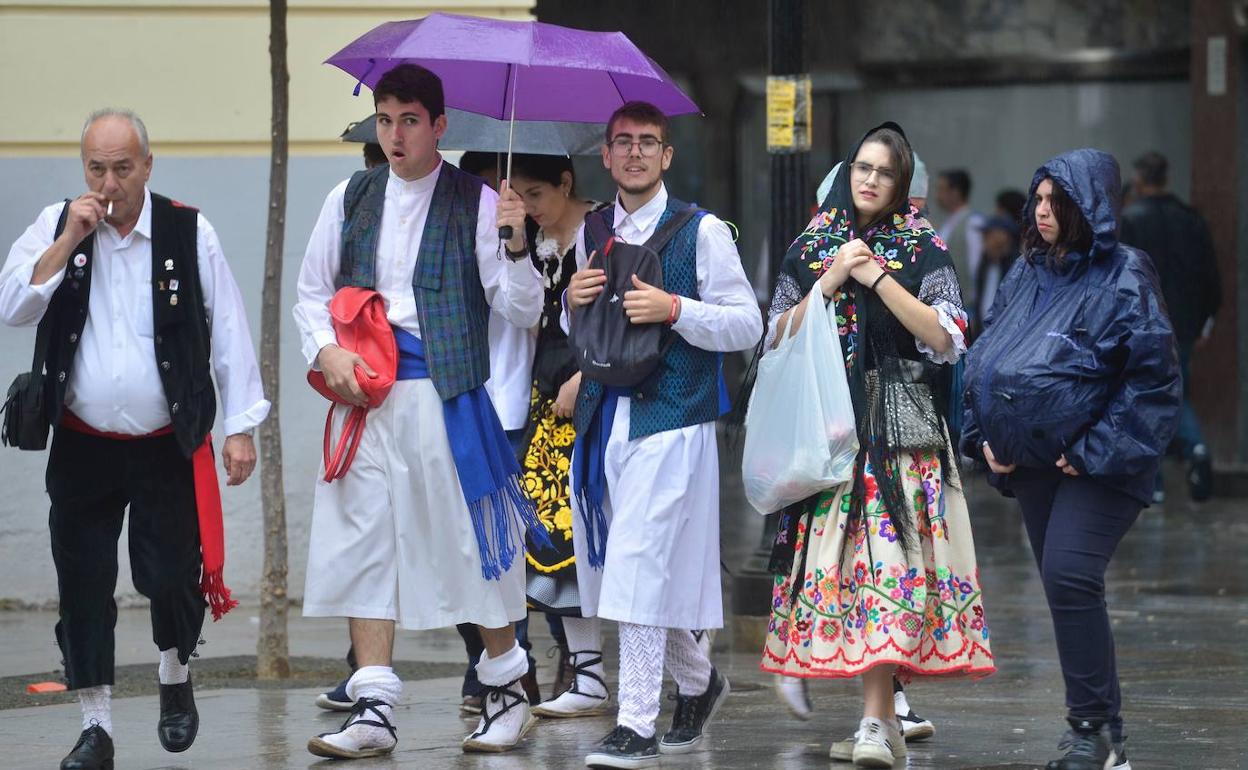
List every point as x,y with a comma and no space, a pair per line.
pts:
684,390
450,303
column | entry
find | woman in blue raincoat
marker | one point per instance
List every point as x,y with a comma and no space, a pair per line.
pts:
1071,395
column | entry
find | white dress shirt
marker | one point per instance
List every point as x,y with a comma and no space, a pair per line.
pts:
513,289
726,317
115,386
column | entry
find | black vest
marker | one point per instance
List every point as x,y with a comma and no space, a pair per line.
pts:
182,339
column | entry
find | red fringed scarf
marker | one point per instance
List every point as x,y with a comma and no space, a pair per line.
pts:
207,503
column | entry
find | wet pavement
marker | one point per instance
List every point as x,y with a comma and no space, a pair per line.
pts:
1178,599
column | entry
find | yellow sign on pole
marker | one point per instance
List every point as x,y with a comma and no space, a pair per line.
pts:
788,113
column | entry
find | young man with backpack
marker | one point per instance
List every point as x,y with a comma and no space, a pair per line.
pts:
646,466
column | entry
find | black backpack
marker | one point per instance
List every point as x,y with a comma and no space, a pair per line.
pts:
609,348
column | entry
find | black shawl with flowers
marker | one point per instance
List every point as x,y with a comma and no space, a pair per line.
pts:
872,339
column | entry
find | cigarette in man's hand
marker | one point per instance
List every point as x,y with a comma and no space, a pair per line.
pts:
109,213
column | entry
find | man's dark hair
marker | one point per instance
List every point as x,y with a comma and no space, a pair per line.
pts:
374,156
638,112
412,83
544,168
475,162
959,180
1152,168
1074,232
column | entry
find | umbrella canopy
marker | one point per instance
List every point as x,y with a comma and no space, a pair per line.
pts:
544,71
469,131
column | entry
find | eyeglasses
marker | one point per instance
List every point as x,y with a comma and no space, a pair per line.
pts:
885,176
623,146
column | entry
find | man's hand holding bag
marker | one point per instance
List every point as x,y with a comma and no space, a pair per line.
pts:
358,372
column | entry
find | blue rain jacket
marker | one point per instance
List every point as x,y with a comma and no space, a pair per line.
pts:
1078,360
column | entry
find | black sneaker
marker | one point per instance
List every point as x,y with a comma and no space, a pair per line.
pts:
624,748
336,699
1087,746
693,712
1200,474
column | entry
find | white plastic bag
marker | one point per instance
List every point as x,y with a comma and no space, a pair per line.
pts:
800,436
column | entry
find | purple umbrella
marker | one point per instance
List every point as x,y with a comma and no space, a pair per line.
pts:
517,70
523,70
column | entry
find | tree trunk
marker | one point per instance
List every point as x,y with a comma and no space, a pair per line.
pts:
273,648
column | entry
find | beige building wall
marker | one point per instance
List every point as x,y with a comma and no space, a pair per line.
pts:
196,70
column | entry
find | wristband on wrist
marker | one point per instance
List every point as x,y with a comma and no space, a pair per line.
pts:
883,275
671,317
515,256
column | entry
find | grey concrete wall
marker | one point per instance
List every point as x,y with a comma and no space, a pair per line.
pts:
232,192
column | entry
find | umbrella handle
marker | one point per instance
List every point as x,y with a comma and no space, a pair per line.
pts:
504,233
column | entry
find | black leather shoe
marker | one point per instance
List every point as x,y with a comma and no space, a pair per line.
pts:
93,751
179,721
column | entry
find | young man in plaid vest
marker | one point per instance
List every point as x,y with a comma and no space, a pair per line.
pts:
425,528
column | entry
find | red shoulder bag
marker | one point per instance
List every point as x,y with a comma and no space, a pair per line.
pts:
361,327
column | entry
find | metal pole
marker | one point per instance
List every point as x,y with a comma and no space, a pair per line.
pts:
790,206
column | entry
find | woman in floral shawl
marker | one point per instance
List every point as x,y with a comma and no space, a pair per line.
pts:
877,577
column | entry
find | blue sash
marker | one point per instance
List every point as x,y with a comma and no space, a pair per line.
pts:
489,475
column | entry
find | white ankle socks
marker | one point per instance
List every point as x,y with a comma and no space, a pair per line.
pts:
377,682
585,643
97,707
506,668
172,671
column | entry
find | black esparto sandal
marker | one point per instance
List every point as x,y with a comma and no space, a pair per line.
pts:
322,748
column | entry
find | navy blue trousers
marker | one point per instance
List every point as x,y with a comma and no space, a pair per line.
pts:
1075,524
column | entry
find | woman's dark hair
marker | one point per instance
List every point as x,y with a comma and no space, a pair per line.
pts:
476,162
1074,233
412,83
903,163
544,168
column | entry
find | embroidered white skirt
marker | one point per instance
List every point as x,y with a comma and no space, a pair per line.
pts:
662,506
392,539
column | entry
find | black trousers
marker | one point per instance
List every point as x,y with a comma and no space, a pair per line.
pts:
1075,524
91,480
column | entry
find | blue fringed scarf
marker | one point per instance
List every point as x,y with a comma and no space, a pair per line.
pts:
589,471
488,472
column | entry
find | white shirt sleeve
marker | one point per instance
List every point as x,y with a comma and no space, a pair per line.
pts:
243,404
726,318
22,304
316,277
513,289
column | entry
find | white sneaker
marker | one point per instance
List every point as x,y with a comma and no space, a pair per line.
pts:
368,732
794,693
588,695
505,720
913,726
879,744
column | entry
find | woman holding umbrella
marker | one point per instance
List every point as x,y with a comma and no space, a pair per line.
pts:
878,576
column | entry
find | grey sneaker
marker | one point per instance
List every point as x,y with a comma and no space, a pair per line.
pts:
1087,746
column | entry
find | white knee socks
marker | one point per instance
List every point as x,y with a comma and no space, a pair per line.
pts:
641,676
172,671
686,662
97,707
377,682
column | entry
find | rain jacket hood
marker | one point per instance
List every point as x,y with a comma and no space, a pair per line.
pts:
1092,180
